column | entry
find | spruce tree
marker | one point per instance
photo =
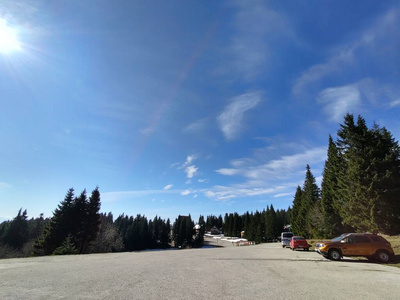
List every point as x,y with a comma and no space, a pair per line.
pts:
58,228
92,219
17,233
309,197
330,195
370,178
296,221
75,217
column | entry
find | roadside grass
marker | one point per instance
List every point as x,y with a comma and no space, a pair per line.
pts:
393,240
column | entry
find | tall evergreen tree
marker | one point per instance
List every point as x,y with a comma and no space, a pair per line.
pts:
92,219
58,228
75,218
17,232
309,197
330,197
370,178
296,222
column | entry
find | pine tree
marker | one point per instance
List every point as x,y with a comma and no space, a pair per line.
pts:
384,176
370,177
165,234
75,217
309,197
199,237
330,194
67,247
258,227
92,219
270,224
296,221
58,228
17,233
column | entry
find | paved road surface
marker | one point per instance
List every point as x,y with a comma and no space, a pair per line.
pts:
264,271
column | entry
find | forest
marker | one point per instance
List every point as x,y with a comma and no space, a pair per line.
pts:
360,192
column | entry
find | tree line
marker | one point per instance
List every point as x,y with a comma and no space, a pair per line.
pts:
360,189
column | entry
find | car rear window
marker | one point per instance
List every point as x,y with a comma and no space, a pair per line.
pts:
299,238
287,235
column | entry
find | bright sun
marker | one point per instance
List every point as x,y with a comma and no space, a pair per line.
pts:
8,38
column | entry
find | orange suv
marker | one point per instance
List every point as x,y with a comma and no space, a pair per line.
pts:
371,246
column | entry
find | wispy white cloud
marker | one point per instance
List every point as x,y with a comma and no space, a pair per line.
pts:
127,195
191,171
4,185
230,120
195,126
167,187
395,103
188,161
279,168
340,100
225,193
376,44
175,165
185,192
279,176
227,171
317,72
354,98
283,195
257,28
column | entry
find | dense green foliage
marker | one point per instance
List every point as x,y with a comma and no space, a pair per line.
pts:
17,236
360,189
212,221
75,217
138,233
259,227
183,232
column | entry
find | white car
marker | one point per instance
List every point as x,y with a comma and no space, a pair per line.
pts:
285,238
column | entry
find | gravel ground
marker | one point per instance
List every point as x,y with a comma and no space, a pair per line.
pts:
263,271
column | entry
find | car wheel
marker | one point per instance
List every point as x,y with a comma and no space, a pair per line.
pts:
382,256
307,249
283,246
334,254
292,249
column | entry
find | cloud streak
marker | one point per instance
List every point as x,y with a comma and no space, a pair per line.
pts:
191,171
256,28
231,119
128,195
340,100
368,48
168,187
280,176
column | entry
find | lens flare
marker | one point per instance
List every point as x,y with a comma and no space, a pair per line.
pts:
8,38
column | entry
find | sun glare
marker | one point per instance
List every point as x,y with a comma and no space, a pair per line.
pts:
8,38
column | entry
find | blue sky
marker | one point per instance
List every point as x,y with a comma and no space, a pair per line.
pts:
177,107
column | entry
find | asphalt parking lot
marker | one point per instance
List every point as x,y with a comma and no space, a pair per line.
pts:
263,271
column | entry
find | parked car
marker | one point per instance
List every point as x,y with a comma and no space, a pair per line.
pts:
285,238
299,242
371,246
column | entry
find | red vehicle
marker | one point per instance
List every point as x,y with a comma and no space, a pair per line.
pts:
298,242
